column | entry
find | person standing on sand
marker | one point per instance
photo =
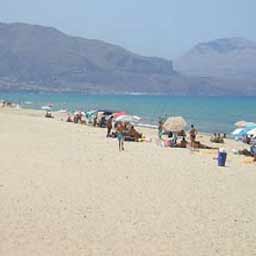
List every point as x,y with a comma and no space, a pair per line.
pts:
160,129
109,126
192,134
120,136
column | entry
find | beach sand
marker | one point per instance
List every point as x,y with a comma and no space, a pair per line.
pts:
66,190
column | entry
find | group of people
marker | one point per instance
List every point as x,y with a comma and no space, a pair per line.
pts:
101,120
77,118
218,138
123,131
174,142
249,140
4,103
251,152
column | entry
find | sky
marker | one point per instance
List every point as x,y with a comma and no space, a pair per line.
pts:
163,28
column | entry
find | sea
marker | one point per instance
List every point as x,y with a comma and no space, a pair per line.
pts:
208,114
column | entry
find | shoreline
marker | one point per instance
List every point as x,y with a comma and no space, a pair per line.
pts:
151,108
150,130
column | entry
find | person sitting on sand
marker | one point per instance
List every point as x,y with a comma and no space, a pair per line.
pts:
199,145
69,119
134,134
251,152
213,137
181,133
120,136
75,119
192,133
182,144
48,114
217,138
102,122
247,140
79,117
220,138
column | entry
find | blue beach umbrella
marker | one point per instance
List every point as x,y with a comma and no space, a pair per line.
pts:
241,132
90,114
250,125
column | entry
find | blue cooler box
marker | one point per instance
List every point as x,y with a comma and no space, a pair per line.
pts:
222,157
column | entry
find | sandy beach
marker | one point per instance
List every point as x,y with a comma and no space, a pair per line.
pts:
66,190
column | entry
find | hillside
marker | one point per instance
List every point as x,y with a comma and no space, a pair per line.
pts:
229,58
42,58
46,57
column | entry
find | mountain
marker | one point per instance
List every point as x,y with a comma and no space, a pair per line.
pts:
227,58
43,58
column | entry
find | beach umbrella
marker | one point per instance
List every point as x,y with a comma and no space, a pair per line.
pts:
62,111
90,114
174,124
117,114
46,108
252,132
250,125
244,124
237,131
107,111
240,124
241,132
128,118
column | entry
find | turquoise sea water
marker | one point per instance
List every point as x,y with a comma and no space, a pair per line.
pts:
208,114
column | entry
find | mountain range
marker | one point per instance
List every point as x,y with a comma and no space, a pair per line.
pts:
43,58
223,58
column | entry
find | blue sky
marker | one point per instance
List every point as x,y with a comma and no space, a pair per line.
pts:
165,28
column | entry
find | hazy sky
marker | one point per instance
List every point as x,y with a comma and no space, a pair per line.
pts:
165,28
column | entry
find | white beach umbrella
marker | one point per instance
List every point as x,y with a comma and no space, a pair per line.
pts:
63,111
174,124
240,124
46,108
128,118
244,124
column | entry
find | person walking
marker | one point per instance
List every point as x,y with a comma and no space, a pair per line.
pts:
109,126
120,136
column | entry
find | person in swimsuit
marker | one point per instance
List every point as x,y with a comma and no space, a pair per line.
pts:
182,144
120,136
160,129
192,133
109,126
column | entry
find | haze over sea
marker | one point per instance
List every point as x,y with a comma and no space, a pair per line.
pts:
208,114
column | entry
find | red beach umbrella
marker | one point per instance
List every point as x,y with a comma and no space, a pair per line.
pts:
115,115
